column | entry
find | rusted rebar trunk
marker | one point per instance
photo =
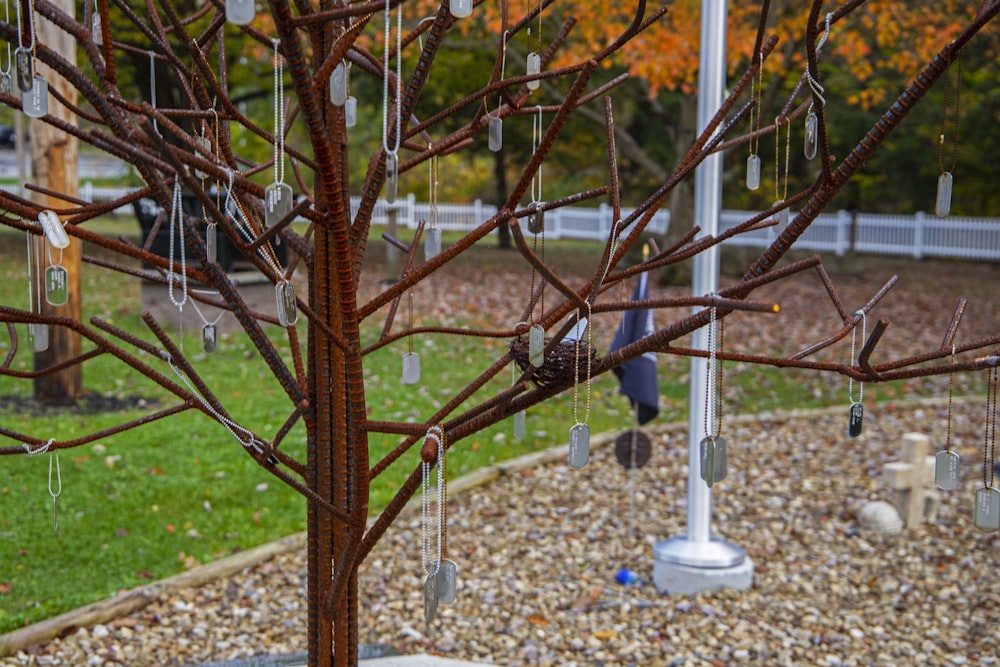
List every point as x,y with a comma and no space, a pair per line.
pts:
333,637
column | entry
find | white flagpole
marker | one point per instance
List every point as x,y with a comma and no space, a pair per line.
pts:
699,561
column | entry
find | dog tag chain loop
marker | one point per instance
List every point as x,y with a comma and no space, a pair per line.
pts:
278,195
986,511
495,123
810,144
6,83
946,179
441,574
856,413
432,235
714,453
753,160
34,89
536,220
411,360
391,154
946,462
38,334
579,433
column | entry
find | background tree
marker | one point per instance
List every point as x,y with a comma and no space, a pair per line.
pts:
328,329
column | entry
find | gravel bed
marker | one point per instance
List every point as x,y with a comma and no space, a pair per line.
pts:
538,551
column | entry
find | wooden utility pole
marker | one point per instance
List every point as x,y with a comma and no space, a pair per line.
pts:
54,165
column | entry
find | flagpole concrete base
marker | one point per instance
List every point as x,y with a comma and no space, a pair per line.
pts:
685,567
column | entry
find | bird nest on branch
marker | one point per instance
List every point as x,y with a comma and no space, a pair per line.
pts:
562,364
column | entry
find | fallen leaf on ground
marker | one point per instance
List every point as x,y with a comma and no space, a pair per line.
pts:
588,598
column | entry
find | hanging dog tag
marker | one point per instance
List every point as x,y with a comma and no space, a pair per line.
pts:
391,178
56,285
857,415
288,311
5,83
432,242
520,424
95,28
277,202
782,214
942,206
411,368
721,460
25,66
534,67
812,135
338,84
35,102
240,12
753,172
447,581
536,345
496,133
209,338
206,147
351,111
211,242
460,8
536,221
38,334
53,228
946,470
430,597
987,511
708,461
579,445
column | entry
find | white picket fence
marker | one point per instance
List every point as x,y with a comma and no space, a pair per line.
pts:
915,236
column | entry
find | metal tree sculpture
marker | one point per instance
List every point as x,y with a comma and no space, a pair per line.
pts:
323,379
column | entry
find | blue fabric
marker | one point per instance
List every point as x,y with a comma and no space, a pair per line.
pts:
638,376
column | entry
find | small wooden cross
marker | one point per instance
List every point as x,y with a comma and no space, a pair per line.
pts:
912,480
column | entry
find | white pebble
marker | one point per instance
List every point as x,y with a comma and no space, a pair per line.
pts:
100,631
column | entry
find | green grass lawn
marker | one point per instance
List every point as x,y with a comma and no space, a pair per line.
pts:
152,501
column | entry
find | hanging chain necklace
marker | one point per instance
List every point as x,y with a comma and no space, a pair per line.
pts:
176,225
495,141
857,410
536,225
946,179
986,512
811,142
441,574
38,334
946,462
278,195
209,330
391,154
411,360
432,235
5,81
753,160
284,291
579,433
714,451
34,88
56,492
534,60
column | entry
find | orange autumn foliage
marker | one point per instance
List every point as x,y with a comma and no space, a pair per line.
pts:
889,38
